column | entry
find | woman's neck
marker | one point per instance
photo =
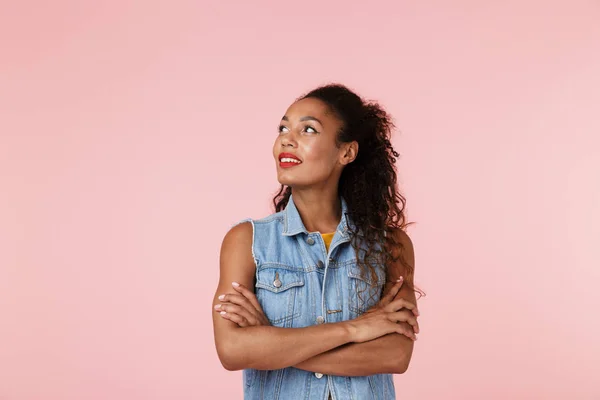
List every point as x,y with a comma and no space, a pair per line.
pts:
319,212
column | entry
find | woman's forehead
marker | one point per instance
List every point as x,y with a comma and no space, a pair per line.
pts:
309,107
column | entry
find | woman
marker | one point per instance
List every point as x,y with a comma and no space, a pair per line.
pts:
316,301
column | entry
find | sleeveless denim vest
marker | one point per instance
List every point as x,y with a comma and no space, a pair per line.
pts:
299,284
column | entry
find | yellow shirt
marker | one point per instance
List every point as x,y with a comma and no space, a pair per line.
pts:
327,237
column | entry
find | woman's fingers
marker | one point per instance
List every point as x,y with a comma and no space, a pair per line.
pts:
402,303
247,300
404,316
385,300
238,310
238,319
406,331
248,294
240,300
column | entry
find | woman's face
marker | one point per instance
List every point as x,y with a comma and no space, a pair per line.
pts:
308,131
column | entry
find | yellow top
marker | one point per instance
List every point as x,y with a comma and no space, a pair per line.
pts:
327,237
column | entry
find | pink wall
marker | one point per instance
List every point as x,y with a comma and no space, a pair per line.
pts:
133,134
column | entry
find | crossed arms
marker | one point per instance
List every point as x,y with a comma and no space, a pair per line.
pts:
328,348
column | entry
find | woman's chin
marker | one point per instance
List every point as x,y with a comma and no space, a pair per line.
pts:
286,182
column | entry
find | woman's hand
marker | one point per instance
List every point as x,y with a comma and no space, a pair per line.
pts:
387,316
242,307
387,299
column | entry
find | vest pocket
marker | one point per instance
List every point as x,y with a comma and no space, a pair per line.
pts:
370,289
276,291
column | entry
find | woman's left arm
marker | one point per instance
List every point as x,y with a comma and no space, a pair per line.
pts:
388,354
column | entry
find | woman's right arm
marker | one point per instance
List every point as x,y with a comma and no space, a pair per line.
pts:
262,347
269,347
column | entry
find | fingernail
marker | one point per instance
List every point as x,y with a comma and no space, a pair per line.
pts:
221,297
217,306
400,279
235,284
417,311
223,313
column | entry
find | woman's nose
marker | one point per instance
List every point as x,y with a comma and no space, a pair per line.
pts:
287,141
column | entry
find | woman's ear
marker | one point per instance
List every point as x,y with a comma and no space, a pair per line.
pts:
350,153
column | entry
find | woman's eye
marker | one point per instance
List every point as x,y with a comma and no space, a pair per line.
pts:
307,127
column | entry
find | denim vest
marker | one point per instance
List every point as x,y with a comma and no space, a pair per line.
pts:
299,284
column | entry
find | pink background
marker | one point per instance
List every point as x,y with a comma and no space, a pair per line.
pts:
133,134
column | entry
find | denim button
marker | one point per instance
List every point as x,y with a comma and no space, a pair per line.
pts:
277,282
310,241
320,264
320,319
318,375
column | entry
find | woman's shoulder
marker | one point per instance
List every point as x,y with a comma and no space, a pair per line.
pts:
239,232
402,237
402,244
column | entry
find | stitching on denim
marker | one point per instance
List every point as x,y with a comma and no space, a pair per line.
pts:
349,387
303,254
272,264
286,318
271,289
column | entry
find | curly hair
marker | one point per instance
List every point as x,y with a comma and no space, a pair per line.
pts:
368,184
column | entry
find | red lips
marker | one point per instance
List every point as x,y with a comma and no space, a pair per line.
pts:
288,155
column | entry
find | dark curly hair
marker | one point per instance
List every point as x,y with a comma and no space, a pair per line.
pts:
368,184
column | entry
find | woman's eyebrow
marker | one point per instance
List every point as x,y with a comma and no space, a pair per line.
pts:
307,118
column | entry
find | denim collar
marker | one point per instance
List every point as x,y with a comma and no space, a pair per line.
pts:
293,223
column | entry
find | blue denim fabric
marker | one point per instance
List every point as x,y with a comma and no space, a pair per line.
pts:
299,284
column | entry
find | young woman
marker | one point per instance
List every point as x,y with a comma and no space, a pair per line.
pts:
316,301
